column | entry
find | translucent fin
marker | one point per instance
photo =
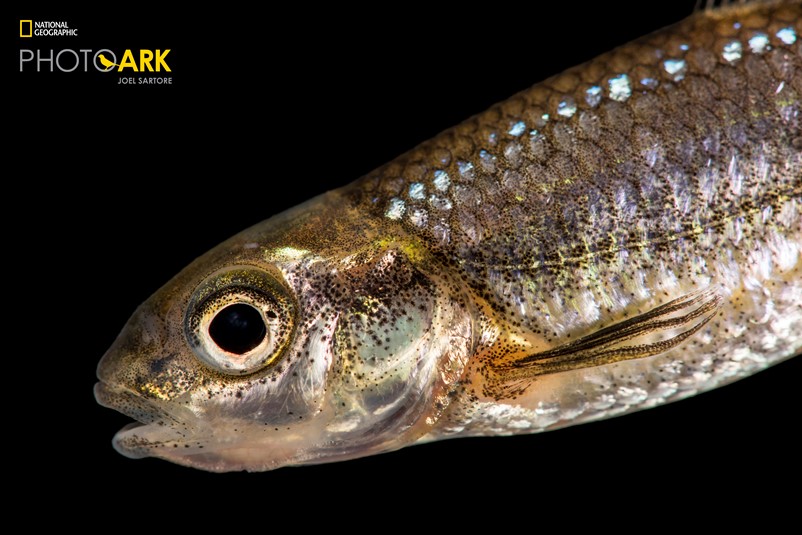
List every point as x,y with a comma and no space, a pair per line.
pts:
635,338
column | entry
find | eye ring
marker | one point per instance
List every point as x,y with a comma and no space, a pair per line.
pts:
240,319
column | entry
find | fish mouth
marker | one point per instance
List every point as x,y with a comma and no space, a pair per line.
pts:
157,431
175,434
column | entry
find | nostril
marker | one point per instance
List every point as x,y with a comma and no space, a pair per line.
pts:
158,365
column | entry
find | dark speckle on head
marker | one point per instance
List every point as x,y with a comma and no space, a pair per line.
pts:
157,366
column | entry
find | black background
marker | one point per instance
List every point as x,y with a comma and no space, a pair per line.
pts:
108,201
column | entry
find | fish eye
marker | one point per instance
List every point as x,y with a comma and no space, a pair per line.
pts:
240,319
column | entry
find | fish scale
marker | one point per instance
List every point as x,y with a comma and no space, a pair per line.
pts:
650,170
625,175
619,236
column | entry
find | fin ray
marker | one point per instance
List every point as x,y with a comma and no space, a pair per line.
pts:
609,345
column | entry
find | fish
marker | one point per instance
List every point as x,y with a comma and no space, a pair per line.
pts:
622,235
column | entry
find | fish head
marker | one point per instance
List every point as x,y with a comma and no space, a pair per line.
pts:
297,341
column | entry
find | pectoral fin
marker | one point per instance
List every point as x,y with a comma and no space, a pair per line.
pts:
635,338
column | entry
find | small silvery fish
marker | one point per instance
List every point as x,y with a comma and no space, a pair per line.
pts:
619,236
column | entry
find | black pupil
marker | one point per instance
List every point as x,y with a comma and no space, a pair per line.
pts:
238,328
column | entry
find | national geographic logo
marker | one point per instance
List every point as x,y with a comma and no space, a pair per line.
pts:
133,65
46,28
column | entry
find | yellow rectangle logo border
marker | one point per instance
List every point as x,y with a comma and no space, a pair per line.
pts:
30,28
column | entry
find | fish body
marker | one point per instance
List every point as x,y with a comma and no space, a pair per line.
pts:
619,236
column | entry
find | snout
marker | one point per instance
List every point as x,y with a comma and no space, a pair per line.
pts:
137,346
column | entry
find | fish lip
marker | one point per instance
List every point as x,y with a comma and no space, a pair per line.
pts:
155,427
125,401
